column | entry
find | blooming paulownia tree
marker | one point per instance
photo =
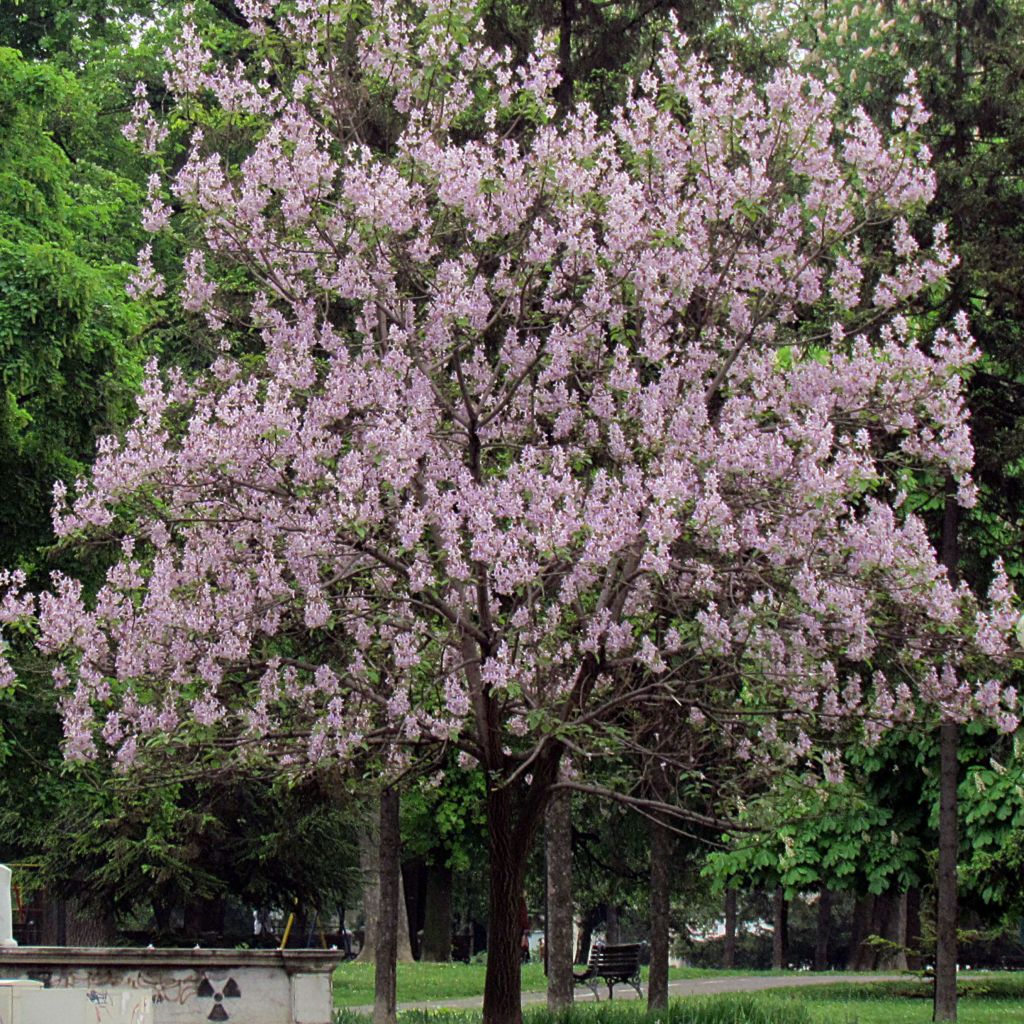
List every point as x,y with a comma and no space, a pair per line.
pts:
558,428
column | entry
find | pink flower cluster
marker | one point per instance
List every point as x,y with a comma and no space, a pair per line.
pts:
547,425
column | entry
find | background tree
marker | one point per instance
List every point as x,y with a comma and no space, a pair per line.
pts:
69,352
444,833
528,400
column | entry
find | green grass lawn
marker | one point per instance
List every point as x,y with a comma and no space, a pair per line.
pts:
984,999
424,982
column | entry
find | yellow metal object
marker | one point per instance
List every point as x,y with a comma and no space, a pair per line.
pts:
287,930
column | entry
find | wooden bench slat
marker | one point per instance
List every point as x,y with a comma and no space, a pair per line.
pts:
615,965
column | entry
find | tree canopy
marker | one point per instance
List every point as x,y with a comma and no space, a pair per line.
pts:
559,427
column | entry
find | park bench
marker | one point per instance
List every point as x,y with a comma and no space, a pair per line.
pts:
614,965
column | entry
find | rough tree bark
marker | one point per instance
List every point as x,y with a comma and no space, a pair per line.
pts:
729,946
88,927
558,925
502,985
780,928
515,811
946,895
385,1003
661,886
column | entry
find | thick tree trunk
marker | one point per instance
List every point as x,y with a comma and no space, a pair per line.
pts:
53,930
437,918
780,927
661,886
862,957
729,947
385,1002
87,927
946,902
558,923
891,925
502,983
612,925
823,929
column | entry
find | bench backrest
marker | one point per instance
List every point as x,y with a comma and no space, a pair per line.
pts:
622,959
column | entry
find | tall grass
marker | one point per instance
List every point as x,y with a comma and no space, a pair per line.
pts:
722,1009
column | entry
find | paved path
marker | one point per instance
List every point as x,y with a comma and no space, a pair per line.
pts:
684,987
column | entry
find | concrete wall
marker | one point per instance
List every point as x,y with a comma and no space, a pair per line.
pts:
192,986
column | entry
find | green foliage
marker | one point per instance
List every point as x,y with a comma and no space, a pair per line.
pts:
115,844
865,834
968,62
69,357
607,43
443,819
140,845
991,798
47,28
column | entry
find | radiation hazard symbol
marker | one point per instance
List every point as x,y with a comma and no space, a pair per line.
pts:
207,990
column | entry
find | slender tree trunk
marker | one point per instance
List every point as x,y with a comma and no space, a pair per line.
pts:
558,922
946,909
502,984
371,843
946,904
823,929
661,886
780,924
902,961
729,947
585,937
915,961
564,91
385,1003
437,918
404,938
369,869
